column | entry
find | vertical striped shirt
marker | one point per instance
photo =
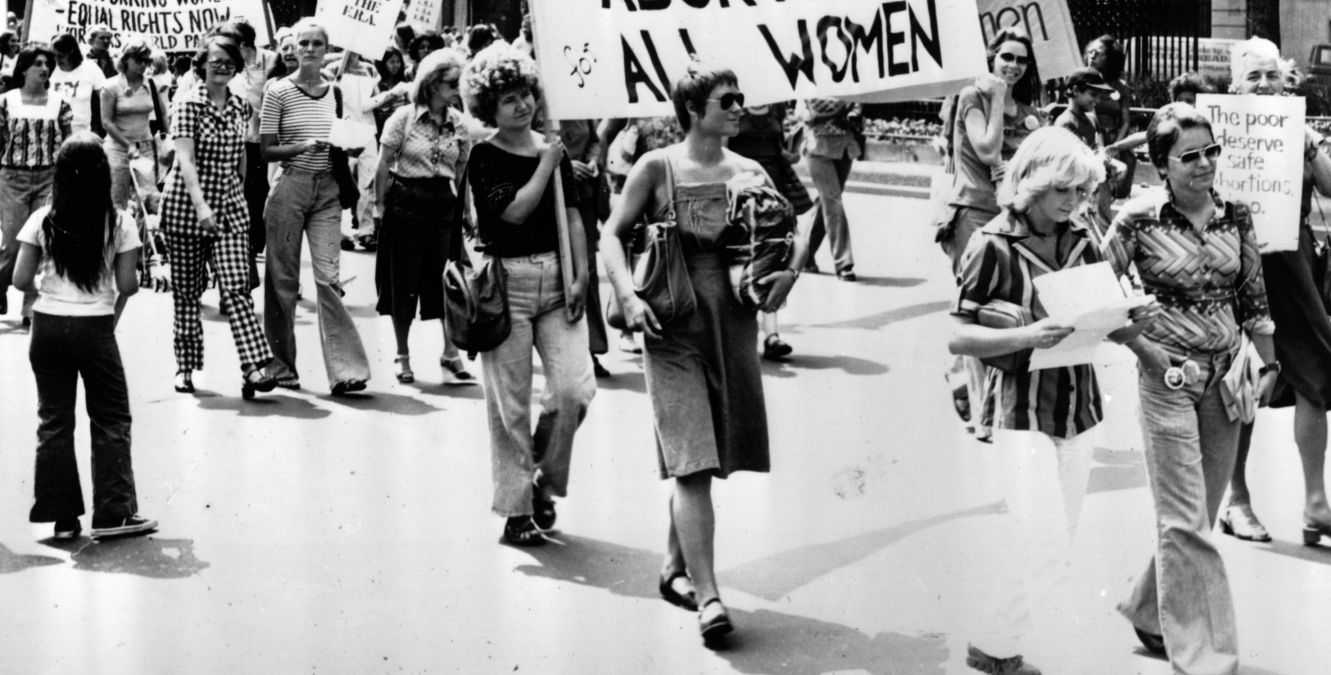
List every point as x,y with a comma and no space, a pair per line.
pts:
294,116
998,265
30,135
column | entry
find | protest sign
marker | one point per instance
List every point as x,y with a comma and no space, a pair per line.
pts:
173,25
1047,22
361,26
1262,161
425,15
618,58
1212,55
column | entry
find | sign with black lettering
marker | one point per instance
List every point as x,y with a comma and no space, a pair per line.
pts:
361,26
1261,164
1047,22
425,15
618,58
173,25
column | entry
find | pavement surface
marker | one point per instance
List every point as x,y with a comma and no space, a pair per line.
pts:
304,533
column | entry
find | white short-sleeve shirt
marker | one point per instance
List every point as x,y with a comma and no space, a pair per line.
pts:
59,296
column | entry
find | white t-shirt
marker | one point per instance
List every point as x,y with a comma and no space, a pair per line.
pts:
78,86
59,296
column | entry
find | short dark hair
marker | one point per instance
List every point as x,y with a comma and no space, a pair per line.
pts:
67,45
479,37
26,57
1166,127
499,68
431,39
1115,58
226,44
693,89
238,29
1189,82
1028,86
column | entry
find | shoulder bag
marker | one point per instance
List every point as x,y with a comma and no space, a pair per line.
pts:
348,195
163,147
660,276
1004,314
475,298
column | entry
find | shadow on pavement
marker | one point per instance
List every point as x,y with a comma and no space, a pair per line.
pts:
141,556
628,380
381,401
272,404
11,562
766,641
774,642
884,319
474,392
889,282
776,576
850,365
1315,554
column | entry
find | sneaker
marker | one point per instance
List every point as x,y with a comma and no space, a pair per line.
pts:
775,349
67,529
132,526
994,666
455,372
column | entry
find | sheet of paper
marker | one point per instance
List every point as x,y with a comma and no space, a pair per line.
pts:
1089,299
347,134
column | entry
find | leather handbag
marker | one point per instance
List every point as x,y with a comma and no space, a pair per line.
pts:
1004,314
348,195
475,298
660,276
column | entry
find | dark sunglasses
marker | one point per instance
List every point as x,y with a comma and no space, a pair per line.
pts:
1190,157
1010,57
729,100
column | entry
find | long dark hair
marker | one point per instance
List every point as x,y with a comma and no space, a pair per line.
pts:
81,224
382,66
1028,86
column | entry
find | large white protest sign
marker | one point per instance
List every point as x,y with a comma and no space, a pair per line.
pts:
425,15
1047,22
1262,161
617,58
361,26
173,25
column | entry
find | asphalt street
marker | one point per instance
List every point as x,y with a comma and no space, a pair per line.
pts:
305,533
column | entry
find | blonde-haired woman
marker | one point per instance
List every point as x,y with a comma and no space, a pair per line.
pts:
1297,307
1042,418
422,152
1198,255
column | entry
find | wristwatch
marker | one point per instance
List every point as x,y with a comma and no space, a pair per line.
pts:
1272,367
1310,153
794,271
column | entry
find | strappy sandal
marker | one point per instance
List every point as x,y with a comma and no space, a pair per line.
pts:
1240,522
184,382
712,629
402,369
666,586
521,531
256,380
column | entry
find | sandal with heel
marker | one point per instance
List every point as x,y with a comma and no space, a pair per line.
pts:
402,369
1313,533
718,625
521,531
184,382
255,380
687,600
1240,522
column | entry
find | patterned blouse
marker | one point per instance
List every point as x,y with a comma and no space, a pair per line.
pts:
1208,280
425,149
219,150
30,135
998,265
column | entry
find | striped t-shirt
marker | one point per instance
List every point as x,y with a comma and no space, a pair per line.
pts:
294,116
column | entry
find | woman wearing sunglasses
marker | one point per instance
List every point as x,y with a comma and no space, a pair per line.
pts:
1198,255
991,117
1304,338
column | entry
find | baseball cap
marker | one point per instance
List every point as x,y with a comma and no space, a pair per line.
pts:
1090,77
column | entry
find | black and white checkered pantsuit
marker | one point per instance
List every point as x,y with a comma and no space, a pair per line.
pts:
219,154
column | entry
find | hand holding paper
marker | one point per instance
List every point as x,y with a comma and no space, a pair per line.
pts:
347,134
1090,301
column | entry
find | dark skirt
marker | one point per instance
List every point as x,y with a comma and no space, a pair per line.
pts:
705,382
1303,331
414,243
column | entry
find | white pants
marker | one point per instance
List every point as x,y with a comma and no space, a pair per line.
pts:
1043,481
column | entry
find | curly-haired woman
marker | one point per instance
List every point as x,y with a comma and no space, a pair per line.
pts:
511,177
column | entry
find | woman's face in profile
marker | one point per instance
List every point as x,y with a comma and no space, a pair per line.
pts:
1262,76
722,110
1097,56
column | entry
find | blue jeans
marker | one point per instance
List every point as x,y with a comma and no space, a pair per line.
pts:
21,192
63,349
536,309
1184,593
306,203
829,178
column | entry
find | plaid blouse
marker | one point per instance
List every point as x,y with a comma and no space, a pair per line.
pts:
1208,280
998,265
30,135
219,151
425,149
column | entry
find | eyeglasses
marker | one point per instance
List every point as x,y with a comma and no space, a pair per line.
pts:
451,84
219,64
1190,157
1009,57
729,100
